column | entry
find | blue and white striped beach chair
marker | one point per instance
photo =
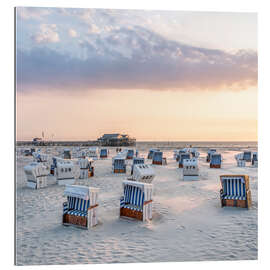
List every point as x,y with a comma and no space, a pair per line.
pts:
235,191
137,200
80,209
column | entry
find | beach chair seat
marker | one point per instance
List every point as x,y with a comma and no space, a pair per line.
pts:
235,191
81,206
137,200
77,213
133,207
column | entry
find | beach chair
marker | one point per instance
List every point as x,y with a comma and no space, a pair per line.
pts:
86,170
36,174
136,160
92,152
157,158
67,172
151,153
182,151
235,191
119,165
137,200
215,161
80,209
247,156
67,154
143,173
190,169
255,159
45,159
130,154
103,153
53,166
27,152
194,152
182,157
209,153
240,161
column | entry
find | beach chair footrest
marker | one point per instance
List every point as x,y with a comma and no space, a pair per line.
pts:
75,220
131,213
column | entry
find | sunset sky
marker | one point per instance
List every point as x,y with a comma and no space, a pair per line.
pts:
156,75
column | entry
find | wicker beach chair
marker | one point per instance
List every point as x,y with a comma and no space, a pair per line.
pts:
67,172
157,158
36,174
136,201
182,157
209,154
151,153
119,164
190,169
103,153
130,154
235,191
215,161
80,209
143,173
136,160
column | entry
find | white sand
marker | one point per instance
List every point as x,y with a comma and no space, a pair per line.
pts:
188,223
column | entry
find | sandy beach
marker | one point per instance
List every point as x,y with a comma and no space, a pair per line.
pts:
188,222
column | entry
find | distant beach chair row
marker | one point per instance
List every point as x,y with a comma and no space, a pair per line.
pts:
66,171
247,157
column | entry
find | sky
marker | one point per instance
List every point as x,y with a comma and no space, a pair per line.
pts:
155,75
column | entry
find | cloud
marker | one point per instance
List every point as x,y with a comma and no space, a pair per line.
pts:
27,13
137,58
48,34
72,33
